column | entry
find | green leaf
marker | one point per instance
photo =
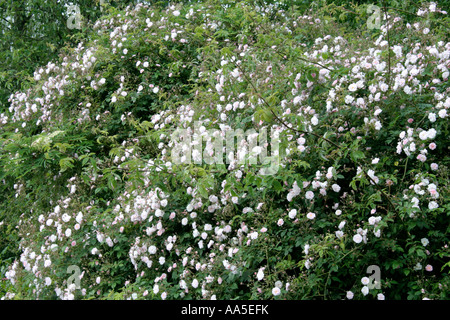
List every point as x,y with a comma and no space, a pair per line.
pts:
356,155
276,185
201,189
66,163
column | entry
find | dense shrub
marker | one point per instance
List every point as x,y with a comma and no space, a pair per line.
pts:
89,178
32,32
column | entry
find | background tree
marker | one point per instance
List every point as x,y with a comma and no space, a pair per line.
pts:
33,31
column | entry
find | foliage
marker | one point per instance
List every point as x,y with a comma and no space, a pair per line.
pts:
89,177
32,32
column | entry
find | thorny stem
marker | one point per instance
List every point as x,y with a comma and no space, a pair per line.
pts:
379,189
329,273
305,132
274,114
301,131
282,55
412,13
389,43
406,166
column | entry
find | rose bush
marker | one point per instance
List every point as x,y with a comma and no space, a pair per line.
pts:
360,116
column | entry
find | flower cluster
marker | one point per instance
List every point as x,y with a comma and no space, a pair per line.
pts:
351,118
